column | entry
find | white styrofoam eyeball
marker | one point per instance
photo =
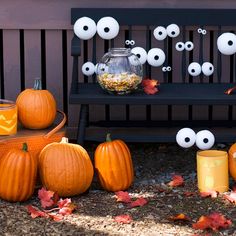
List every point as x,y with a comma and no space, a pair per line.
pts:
108,27
168,68
127,42
160,33
179,46
88,68
85,28
186,137
204,32
132,42
189,46
140,53
199,30
164,69
205,139
173,30
194,69
226,43
101,68
207,68
156,57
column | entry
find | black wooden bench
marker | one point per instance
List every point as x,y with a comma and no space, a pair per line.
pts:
187,91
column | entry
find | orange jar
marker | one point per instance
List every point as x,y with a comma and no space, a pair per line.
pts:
8,117
212,171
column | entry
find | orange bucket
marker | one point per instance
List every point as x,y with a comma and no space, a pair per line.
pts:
212,171
8,117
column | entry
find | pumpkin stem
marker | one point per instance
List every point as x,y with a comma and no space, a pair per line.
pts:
108,138
37,84
64,140
25,147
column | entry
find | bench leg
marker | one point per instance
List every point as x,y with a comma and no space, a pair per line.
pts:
82,124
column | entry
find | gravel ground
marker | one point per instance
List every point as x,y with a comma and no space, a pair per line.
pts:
154,165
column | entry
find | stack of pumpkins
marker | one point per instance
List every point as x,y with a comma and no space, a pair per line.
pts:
63,167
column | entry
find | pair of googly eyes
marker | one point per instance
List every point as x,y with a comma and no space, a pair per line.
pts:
160,32
107,28
226,43
195,69
166,68
129,42
155,56
186,138
201,31
180,46
88,68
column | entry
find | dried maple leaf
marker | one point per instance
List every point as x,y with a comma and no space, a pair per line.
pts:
138,202
150,86
231,197
210,193
124,219
122,196
181,217
177,180
150,90
35,212
55,216
214,221
46,197
66,206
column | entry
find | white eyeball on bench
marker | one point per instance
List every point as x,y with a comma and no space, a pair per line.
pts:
189,46
194,69
205,139
85,28
179,46
160,33
156,57
166,69
88,68
207,68
173,30
140,53
108,28
186,137
226,43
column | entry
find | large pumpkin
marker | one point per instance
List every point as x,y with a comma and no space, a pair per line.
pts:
18,171
113,164
36,107
232,161
65,168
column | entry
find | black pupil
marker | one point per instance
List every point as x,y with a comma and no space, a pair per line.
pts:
173,32
138,55
187,139
87,69
205,140
193,70
160,33
210,68
106,29
189,45
103,69
156,57
230,43
180,46
85,28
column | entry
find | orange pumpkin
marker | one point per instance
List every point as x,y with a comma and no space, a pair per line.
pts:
232,161
113,164
65,168
18,171
36,107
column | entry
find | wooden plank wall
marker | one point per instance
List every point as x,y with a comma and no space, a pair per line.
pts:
35,39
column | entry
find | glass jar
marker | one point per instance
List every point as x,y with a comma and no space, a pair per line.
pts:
119,71
8,117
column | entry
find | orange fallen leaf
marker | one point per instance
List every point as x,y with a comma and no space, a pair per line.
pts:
214,221
46,197
210,193
122,196
177,180
138,202
150,90
181,217
150,86
231,197
35,212
124,219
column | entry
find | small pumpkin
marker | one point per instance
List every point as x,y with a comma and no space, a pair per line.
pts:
114,165
18,171
232,161
65,168
36,107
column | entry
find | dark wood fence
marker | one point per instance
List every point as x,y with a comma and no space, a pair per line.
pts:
35,41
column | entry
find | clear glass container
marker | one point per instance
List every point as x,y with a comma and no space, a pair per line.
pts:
119,71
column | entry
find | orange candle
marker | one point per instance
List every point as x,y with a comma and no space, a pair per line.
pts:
8,117
212,171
